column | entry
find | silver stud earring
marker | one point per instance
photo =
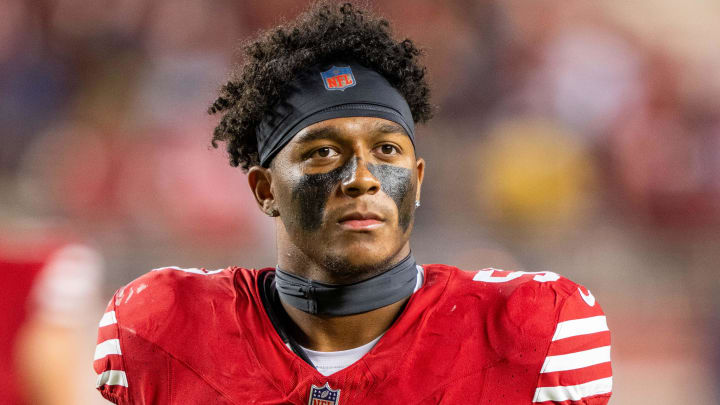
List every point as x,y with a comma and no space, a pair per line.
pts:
273,213
417,203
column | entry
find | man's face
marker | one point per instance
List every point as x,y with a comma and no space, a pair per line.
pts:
346,190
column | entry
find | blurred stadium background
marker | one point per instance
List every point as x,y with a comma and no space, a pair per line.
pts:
577,137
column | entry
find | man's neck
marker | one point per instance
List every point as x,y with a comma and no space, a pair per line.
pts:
294,259
328,334
333,333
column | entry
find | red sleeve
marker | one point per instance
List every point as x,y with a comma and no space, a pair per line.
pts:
112,381
131,368
577,370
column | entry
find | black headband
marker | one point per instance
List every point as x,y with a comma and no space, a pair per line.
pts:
323,92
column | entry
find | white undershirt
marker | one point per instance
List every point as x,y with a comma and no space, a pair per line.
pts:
331,362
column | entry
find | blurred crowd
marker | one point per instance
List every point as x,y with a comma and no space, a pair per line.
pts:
578,137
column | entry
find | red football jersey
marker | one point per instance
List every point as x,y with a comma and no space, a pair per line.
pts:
18,276
44,276
191,336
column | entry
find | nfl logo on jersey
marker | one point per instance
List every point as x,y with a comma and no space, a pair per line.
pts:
324,395
338,78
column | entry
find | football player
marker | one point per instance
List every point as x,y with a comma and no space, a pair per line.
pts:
51,283
322,117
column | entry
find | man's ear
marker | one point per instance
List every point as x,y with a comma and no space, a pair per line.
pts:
260,181
420,166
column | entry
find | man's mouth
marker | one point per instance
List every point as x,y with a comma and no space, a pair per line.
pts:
360,221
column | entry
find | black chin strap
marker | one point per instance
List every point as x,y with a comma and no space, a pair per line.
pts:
338,300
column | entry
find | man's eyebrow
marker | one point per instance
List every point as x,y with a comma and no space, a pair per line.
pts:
390,128
331,132
319,133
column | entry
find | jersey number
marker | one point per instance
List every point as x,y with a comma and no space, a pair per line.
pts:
488,277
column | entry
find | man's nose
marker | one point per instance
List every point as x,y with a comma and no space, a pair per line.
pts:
360,180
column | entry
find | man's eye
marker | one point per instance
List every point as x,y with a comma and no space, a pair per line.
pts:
324,152
388,149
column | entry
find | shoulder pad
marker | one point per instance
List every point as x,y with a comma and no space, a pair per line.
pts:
152,301
161,308
525,307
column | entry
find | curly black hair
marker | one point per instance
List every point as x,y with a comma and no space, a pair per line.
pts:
325,32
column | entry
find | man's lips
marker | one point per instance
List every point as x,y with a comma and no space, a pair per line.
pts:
361,221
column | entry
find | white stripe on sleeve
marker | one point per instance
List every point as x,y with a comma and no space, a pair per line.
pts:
108,318
572,361
110,346
573,392
577,327
112,377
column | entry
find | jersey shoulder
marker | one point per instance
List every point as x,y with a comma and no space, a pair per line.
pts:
170,294
548,323
509,287
525,308
541,298
152,318
545,292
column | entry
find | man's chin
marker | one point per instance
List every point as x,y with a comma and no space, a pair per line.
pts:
358,263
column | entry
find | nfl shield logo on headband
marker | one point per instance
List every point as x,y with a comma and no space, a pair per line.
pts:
324,395
338,78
